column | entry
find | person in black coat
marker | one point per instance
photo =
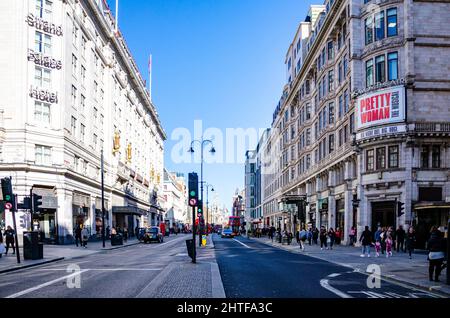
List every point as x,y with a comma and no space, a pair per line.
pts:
9,235
400,235
410,241
78,235
366,241
436,256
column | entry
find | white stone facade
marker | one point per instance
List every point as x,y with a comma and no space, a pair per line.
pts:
70,90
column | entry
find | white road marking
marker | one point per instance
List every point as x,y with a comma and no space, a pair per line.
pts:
334,275
242,243
105,269
324,283
32,289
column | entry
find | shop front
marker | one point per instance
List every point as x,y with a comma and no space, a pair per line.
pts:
126,217
99,217
323,209
383,215
340,214
80,211
45,222
312,216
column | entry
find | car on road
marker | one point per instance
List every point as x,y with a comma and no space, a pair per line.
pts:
227,233
153,234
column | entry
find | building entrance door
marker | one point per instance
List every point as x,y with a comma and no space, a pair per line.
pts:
383,214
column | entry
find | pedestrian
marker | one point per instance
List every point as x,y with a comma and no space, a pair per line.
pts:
338,236
315,235
323,238
125,234
378,247
331,237
85,236
352,236
410,241
302,239
383,237
377,236
2,246
436,255
389,245
9,238
309,236
400,234
78,235
136,231
366,241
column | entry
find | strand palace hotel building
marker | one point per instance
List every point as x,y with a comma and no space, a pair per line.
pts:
361,135
70,89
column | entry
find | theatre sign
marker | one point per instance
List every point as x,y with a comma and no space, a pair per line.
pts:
381,113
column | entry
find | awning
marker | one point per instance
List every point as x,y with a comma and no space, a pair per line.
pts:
130,210
432,205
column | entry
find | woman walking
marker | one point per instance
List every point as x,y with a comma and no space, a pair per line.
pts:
331,237
366,240
410,241
436,247
352,236
323,238
85,236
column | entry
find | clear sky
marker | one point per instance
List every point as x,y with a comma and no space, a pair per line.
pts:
218,61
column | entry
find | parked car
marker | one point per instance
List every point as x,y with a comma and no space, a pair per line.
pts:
153,234
227,233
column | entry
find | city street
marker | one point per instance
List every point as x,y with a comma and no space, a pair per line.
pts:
252,269
127,272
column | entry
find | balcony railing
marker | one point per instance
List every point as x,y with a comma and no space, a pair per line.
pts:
430,127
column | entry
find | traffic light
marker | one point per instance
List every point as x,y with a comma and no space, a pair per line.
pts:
200,209
7,190
400,208
193,189
37,202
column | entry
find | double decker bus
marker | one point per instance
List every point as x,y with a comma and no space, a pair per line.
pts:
235,224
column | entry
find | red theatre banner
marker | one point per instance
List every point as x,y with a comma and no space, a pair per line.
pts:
385,106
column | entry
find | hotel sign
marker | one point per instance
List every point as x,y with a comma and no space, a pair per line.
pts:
43,25
42,60
385,106
44,95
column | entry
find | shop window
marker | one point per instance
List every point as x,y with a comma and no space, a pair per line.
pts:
430,194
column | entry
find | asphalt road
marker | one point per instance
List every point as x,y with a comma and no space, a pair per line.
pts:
252,269
121,273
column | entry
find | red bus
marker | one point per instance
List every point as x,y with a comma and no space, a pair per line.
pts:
235,224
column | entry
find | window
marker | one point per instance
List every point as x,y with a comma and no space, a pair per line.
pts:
330,81
44,9
381,158
308,136
346,101
42,112
352,123
345,67
345,133
95,90
43,155
392,22
424,155
74,65
436,157
83,75
331,143
43,43
331,113
330,50
340,72
83,46
308,111
340,106
73,126
370,160
393,156
369,30
82,132
42,77
95,115
369,73
308,161
339,41
323,57
340,136
392,66
74,96
82,102
75,35
94,141
380,69
379,26
289,63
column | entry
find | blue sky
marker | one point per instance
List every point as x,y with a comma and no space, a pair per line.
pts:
219,61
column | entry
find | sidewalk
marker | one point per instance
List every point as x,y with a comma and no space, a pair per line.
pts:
398,267
54,253
188,280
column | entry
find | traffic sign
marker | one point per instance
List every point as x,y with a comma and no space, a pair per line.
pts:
199,215
192,202
8,206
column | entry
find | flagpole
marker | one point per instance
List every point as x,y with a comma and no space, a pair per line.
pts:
117,15
150,77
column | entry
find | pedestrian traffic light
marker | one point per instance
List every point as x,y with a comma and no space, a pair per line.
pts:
400,208
193,189
7,190
37,202
200,209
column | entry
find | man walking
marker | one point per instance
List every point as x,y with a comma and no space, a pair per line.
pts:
9,235
85,236
366,240
78,235
400,234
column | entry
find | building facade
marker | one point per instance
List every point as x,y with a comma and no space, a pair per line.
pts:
73,91
364,123
175,200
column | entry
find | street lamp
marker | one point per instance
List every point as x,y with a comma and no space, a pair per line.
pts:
203,143
207,185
